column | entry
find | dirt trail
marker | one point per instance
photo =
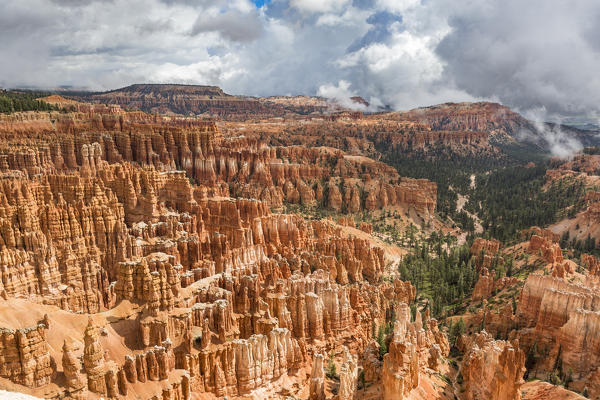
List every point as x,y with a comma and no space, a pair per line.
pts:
460,203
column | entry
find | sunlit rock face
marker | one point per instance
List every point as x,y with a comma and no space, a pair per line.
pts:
492,369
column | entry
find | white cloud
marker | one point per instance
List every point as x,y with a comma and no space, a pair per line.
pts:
232,25
531,54
350,17
398,6
319,6
553,137
213,71
341,94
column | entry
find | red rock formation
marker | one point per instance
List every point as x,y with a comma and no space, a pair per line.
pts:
546,234
591,263
186,99
477,117
549,250
25,357
484,252
486,284
484,287
562,270
348,377
492,369
93,360
317,379
489,247
75,382
247,165
392,131
410,349
557,316
195,290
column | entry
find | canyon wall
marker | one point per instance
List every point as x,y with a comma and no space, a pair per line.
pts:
559,317
246,165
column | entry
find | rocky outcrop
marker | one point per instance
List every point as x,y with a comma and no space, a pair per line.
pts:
348,376
546,234
245,165
486,285
410,348
391,132
317,379
209,100
547,249
401,364
558,316
490,247
75,381
477,117
546,301
25,357
93,360
492,369
190,99
497,320
591,263
485,251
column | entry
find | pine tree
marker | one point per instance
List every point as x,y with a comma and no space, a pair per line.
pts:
381,341
531,358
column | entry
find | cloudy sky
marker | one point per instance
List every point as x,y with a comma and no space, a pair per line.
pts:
539,55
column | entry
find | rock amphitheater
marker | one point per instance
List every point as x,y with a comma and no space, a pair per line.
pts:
147,256
144,257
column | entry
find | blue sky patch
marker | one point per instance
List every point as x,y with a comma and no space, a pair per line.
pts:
260,3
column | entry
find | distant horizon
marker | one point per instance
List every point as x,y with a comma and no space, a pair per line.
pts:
585,122
87,90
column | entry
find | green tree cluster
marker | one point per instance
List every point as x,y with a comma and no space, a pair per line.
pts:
511,199
13,101
440,272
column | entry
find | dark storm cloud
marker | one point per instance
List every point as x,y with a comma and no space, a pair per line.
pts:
197,4
380,32
78,3
591,32
534,54
61,51
364,4
16,20
150,27
233,25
